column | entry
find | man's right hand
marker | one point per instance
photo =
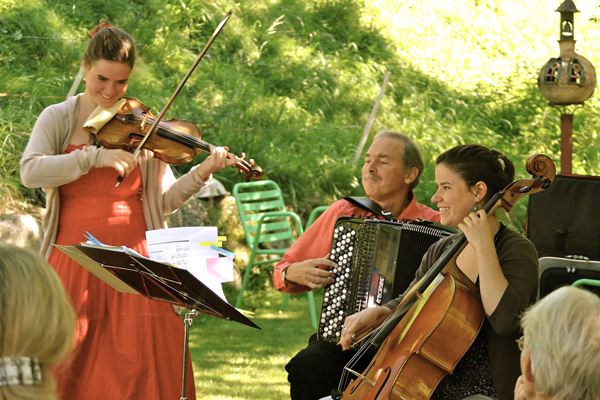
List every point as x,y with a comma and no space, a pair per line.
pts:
311,273
359,321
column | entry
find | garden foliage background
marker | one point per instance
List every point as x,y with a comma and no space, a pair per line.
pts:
292,84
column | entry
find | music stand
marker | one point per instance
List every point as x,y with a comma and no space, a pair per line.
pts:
127,272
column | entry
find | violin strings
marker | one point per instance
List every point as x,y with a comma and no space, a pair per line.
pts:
177,134
190,140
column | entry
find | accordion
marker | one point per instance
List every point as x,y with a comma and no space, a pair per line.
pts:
376,262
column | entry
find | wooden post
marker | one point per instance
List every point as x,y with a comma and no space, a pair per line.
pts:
566,143
76,82
365,134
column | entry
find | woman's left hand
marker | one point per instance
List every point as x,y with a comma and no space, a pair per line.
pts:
477,229
219,158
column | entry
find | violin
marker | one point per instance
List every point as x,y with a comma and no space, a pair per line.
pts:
175,141
427,334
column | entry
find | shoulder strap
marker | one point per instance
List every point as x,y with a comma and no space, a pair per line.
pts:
369,205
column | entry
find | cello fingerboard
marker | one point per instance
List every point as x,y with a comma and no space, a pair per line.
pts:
376,261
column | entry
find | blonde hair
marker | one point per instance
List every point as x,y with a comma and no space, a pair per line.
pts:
36,318
562,333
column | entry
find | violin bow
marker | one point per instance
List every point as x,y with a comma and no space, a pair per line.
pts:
164,111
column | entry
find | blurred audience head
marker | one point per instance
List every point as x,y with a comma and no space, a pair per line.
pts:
560,359
37,324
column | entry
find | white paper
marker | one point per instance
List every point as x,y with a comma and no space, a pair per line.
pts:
189,248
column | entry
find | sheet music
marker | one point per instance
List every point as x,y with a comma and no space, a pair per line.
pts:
189,248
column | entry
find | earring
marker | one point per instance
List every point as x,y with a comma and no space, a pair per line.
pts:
84,81
475,208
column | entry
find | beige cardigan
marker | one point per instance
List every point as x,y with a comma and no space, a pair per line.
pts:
43,165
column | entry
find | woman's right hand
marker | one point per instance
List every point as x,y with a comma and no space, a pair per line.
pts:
359,321
122,161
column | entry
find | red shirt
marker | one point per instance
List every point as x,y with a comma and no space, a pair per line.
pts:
316,241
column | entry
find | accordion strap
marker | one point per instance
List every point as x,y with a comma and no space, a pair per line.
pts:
369,205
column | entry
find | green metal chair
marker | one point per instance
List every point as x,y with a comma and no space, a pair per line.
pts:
267,225
586,282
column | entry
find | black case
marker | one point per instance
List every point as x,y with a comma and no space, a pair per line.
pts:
563,222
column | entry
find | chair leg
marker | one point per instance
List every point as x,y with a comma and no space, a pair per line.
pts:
313,313
238,303
284,304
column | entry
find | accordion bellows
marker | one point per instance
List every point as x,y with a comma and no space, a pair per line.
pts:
376,261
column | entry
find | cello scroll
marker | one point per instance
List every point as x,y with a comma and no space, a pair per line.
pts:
543,170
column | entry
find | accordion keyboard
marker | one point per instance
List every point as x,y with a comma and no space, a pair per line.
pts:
367,253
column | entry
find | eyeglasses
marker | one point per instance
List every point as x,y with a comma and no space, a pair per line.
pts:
521,342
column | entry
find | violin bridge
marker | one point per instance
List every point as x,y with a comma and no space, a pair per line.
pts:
361,376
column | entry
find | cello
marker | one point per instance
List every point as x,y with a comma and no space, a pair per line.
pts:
414,351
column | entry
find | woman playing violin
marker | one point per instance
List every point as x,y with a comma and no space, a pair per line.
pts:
500,261
127,346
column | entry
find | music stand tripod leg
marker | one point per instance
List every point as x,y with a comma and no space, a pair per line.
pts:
187,322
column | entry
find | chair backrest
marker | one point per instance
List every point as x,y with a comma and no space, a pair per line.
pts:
316,212
260,199
561,220
558,271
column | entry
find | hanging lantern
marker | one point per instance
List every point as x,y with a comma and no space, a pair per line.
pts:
570,78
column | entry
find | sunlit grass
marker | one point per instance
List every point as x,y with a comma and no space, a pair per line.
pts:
233,361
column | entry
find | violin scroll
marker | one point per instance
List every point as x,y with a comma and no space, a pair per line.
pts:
248,168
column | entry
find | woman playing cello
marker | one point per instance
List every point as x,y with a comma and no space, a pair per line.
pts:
127,346
501,262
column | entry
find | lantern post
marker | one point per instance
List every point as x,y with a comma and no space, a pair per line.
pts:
568,80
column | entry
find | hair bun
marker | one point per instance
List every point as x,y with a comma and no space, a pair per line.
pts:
99,27
500,155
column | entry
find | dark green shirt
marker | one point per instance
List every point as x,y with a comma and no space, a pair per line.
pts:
519,262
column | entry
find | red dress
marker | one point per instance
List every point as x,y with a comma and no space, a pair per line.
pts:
127,346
